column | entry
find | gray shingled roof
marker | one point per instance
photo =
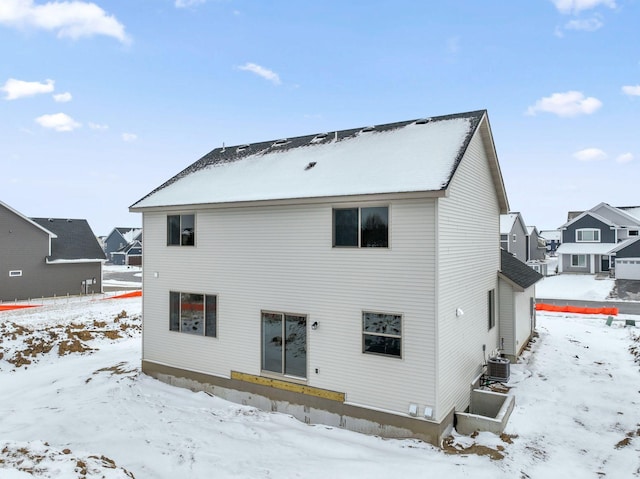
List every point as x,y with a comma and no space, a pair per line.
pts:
516,271
75,239
267,153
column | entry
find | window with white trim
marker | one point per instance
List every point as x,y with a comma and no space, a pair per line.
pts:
579,260
181,230
15,273
588,235
193,313
361,227
382,333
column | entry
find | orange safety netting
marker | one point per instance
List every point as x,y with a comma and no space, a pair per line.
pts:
576,309
133,294
9,307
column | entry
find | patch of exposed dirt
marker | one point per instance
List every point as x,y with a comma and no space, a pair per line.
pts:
634,349
628,439
626,289
451,446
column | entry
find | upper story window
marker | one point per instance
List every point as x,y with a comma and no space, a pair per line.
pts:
181,230
588,235
361,227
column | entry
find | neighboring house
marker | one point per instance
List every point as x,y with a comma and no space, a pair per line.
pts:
120,238
536,251
130,255
332,277
594,239
513,235
44,257
517,295
553,239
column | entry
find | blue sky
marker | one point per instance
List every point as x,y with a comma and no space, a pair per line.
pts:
100,102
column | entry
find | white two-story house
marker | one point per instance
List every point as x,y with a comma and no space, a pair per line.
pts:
347,278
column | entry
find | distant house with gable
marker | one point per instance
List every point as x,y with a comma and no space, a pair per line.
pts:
124,246
45,257
513,235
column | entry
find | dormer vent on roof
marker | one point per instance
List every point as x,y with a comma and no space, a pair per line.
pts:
310,165
368,129
319,137
242,148
422,121
281,142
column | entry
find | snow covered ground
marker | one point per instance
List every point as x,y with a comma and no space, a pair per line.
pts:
74,404
575,286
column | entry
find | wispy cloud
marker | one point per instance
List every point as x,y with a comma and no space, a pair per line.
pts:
588,25
631,90
15,89
262,72
63,97
58,122
590,154
98,127
577,6
624,158
129,137
568,104
72,19
188,3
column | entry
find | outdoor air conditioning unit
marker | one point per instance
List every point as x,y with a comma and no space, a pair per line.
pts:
498,369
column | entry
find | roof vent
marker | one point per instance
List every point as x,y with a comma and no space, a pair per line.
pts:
50,220
422,121
281,142
319,137
242,148
368,129
69,221
310,165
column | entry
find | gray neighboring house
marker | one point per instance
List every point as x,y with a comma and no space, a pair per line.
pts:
513,235
326,276
45,257
119,240
517,293
596,240
130,255
553,240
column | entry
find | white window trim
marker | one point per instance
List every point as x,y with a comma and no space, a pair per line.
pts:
15,273
384,335
584,230
579,265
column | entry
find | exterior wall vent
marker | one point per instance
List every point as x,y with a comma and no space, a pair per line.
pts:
498,369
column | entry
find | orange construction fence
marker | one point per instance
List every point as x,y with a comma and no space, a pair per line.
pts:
9,307
132,294
576,309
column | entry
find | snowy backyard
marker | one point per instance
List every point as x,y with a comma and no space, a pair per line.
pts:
75,405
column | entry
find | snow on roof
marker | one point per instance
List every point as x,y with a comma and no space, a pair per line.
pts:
585,248
130,235
631,210
551,234
403,157
506,222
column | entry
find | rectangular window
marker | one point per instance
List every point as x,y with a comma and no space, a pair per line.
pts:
514,237
361,227
579,260
491,308
588,235
633,232
15,273
382,334
181,230
284,344
193,313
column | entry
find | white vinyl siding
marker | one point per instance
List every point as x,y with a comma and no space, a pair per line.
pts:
467,269
506,308
281,258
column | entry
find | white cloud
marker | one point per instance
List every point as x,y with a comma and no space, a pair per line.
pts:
129,137
62,97
73,19
58,122
588,25
568,104
15,89
576,6
188,3
631,90
624,158
96,126
590,154
261,71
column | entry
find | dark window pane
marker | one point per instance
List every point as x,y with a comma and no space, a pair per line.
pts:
173,230
174,311
382,323
374,230
272,342
381,345
210,316
295,358
192,313
188,230
345,227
